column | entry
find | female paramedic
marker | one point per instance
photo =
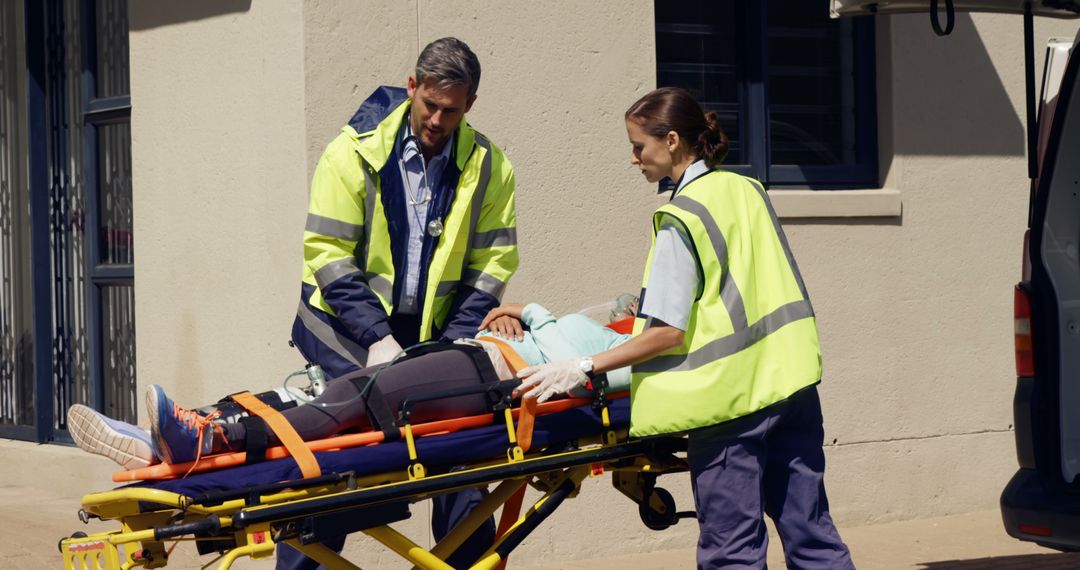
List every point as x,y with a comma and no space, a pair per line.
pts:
725,348
180,434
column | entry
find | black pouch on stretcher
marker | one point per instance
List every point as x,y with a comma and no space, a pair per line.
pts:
231,412
474,365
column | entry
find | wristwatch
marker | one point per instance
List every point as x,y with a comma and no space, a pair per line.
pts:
586,366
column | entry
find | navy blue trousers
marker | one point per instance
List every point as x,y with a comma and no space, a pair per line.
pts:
770,462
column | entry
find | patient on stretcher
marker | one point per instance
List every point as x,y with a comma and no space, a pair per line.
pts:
179,435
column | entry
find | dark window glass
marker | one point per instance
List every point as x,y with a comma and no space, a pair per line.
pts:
811,91
794,89
114,170
112,48
118,347
696,49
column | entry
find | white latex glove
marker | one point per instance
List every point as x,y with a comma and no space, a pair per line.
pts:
552,378
383,350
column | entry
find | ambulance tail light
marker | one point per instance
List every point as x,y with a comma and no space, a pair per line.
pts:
1035,530
1025,363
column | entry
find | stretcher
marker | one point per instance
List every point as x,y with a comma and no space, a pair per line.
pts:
365,482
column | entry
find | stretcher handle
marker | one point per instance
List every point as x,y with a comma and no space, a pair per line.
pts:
209,525
500,395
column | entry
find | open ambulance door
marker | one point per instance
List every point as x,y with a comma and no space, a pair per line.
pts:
1041,503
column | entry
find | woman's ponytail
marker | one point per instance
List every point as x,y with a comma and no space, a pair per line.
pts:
712,143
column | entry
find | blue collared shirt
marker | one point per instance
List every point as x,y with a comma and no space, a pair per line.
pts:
418,181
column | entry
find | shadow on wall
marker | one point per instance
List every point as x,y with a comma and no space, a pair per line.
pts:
1020,561
149,15
948,98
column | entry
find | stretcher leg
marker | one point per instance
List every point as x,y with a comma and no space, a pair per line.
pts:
485,509
406,548
323,555
531,519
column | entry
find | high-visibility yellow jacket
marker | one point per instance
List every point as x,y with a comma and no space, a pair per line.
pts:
356,232
752,339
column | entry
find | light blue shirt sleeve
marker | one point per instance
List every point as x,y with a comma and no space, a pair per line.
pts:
675,278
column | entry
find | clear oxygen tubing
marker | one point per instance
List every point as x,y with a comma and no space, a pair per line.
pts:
622,305
314,371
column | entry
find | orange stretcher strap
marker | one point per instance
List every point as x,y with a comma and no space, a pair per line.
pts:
511,511
517,364
292,441
527,418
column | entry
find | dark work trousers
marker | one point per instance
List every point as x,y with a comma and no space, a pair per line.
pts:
769,462
447,510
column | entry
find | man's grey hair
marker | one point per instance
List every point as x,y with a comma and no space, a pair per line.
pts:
449,62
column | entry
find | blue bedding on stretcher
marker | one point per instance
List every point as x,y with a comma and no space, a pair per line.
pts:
437,452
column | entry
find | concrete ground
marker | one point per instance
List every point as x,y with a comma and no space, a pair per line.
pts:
32,521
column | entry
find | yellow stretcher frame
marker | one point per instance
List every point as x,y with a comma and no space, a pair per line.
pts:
253,525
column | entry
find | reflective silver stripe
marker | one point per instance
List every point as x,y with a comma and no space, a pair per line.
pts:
380,285
335,270
729,291
484,282
495,238
783,237
370,191
344,347
445,288
333,228
477,205
731,344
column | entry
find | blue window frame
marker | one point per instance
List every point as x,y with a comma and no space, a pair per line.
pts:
793,89
69,248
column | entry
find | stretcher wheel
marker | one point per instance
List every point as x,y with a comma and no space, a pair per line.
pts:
658,519
76,534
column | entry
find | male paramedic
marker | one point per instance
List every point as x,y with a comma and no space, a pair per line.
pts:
410,237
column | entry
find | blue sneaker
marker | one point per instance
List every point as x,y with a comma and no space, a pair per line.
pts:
179,434
122,442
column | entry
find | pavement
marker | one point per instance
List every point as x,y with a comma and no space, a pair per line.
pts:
31,522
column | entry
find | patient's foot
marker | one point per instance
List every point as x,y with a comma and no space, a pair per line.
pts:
122,442
179,434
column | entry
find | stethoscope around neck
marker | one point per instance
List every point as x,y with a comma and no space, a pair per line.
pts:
434,227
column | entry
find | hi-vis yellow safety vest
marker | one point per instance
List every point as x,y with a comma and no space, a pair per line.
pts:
347,231
752,339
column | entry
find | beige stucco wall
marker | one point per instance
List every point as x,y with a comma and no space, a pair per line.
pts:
218,154
234,101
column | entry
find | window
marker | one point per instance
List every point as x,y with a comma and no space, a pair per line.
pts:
793,89
67,331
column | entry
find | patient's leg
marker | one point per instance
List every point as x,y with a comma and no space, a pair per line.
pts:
340,408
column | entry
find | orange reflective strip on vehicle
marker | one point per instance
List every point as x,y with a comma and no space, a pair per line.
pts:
292,441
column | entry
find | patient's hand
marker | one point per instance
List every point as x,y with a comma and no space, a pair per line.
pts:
505,321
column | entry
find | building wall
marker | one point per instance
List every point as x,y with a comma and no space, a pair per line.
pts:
218,152
234,101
